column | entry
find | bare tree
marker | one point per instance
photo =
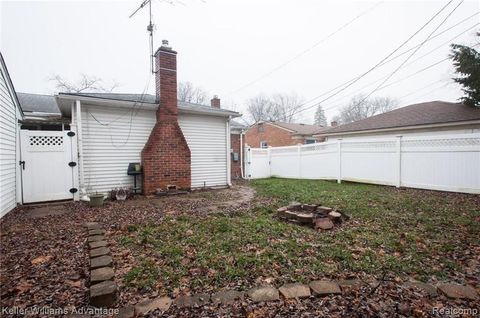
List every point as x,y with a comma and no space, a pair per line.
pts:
86,83
287,106
361,108
260,108
187,92
279,107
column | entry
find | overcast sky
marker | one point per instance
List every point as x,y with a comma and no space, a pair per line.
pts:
225,45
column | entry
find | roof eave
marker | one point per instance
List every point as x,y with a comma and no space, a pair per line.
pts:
65,109
205,111
11,86
412,127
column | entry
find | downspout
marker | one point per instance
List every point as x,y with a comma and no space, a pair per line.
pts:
80,149
229,177
241,154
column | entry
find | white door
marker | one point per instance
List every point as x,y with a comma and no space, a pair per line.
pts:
46,173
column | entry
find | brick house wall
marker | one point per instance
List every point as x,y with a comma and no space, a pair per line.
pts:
166,158
236,170
274,136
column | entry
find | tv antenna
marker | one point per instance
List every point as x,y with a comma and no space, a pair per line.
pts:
150,27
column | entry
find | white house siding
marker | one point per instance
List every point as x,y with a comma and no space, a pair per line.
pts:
109,147
206,136
8,130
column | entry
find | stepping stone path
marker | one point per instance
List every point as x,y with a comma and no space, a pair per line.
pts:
97,244
99,252
324,287
319,217
162,303
268,293
427,288
127,312
259,294
101,274
295,290
192,301
350,284
227,297
103,294
96,232
458,291
96,238
103,290
101,261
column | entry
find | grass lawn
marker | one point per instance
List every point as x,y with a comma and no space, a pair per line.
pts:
404,233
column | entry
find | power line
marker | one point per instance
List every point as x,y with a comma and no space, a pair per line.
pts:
413,53
356,79
305,51
422,88
411,62
393,58
402,79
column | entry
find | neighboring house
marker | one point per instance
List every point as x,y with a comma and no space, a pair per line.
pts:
237,137
276,134
98,135
10,113
431,118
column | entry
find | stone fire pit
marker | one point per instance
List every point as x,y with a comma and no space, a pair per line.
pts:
317,216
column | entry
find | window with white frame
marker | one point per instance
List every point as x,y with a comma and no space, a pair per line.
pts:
263,144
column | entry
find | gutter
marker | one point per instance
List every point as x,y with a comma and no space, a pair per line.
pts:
392,129
229,164
94,101
78,116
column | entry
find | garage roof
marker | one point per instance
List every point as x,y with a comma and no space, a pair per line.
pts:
436,112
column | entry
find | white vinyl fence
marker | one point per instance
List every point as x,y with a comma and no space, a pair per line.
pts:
448,163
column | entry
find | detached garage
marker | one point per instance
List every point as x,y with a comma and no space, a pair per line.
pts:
114,129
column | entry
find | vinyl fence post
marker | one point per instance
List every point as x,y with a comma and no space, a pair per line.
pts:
299,159
248,162
269,155
399,161
339,158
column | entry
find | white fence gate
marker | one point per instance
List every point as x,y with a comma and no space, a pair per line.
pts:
448,163
48,165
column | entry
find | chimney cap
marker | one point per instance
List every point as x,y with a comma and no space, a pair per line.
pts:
165,48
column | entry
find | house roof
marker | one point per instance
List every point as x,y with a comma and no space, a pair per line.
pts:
236,124
300,129
38,103
48,104
436,112
9,84
152,99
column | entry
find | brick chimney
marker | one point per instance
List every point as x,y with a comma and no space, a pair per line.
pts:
333,123
215,101
166,155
